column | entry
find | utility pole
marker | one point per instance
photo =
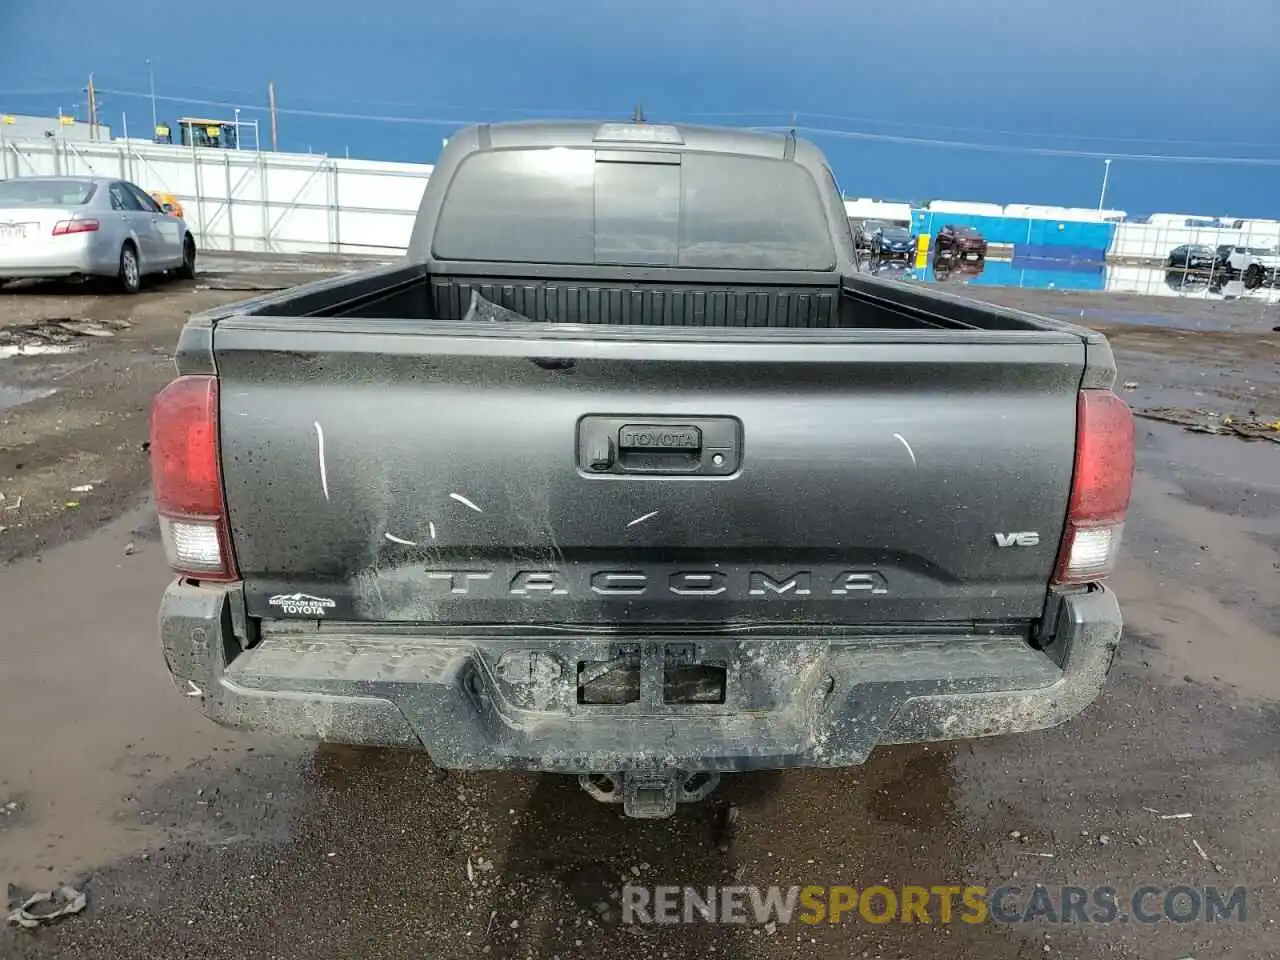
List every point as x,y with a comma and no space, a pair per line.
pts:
151,75
93,111
275,127
1106,174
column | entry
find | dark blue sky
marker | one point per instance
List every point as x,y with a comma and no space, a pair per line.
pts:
1134,77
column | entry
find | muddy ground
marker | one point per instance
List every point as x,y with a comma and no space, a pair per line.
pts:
192,841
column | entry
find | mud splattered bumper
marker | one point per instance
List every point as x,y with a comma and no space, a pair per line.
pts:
495,700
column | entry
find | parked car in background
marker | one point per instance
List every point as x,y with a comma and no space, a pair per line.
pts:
960,242
864,230
169,204
892,242
74,227
1194,256
1255,265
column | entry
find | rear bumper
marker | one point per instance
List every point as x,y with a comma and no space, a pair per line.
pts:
50,259
498,702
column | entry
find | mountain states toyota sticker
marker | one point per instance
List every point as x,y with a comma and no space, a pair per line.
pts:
302,604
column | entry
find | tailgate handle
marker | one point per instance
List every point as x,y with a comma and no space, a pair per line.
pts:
696,446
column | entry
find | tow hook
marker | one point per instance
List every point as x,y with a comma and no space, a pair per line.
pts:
649,795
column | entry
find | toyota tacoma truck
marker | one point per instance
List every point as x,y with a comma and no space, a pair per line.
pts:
626,471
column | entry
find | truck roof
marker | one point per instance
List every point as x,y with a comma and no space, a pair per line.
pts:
629,135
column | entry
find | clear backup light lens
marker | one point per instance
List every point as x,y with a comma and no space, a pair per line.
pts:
1100,489
186,479
191,544
1093,552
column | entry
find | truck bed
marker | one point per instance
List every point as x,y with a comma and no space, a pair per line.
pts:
402,442
648,298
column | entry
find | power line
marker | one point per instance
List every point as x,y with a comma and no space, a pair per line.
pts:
1027,150
345,115
413,105
738,114
245,90
1023,149
43,92
294,111
193,100
993,131
743,113
1028,133
507,111
331,115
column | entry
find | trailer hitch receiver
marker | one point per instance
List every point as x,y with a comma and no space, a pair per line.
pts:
649,795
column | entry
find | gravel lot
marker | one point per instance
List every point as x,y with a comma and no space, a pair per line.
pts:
192,841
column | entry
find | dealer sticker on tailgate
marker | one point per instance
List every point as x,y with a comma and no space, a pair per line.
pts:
301,604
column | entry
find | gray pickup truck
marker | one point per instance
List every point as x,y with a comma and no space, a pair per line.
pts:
627,472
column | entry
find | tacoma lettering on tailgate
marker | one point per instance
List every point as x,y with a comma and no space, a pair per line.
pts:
680,583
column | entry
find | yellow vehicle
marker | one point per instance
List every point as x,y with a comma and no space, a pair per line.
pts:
168,203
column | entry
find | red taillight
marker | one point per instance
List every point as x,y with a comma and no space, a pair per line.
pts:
64,227
1100,488
186,480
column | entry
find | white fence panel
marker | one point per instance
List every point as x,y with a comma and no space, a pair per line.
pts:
1153,241
249,201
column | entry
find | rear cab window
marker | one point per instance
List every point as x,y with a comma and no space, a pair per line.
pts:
575,206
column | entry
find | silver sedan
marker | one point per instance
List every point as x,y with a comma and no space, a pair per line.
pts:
53,227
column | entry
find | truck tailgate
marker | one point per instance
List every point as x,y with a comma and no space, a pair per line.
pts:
433,472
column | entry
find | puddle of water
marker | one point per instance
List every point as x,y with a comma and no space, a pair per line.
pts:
1166,449
36,349
16,396
1111,278
1162,286
1007,273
